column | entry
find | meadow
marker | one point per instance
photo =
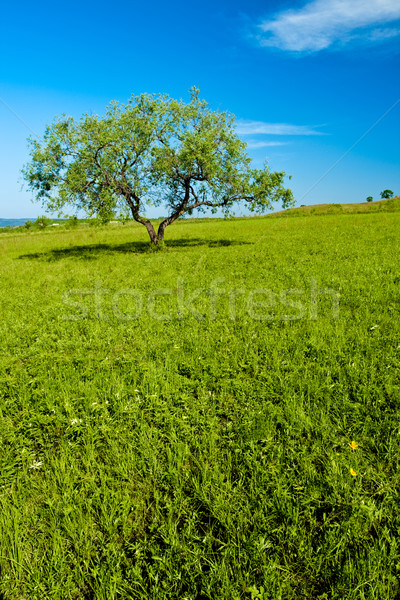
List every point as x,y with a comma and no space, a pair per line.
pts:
389,205
218,420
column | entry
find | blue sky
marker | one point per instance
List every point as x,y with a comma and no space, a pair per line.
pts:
306,81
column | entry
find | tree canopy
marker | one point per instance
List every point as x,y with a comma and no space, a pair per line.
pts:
152,151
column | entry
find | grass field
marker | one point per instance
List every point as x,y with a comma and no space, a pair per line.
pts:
216,421
390,205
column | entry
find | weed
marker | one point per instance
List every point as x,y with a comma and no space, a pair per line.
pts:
205,458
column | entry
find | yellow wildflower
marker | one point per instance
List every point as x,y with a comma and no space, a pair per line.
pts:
352,472
353,445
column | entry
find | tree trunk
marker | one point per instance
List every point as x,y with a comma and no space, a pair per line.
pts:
158,237
165,223
135,213
150,229
160,232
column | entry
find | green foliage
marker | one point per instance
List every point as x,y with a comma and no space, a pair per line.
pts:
72,222
210,459
387,194
152,151
257,594
42,222
28,224
95,222
370,199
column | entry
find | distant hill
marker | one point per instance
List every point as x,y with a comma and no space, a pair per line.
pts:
391,205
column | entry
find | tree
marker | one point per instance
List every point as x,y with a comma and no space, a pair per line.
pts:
72,222
369,198
386,194
42,222
152,151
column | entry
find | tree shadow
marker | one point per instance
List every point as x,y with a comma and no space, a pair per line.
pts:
95,251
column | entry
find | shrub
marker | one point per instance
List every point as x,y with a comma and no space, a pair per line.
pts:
72,222
42,222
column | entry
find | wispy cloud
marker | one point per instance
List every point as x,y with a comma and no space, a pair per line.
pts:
254,144
259,127
323,24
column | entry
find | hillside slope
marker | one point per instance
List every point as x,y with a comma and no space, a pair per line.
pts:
391,205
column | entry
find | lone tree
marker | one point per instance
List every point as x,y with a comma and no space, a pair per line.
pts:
152,151
386,194
369,198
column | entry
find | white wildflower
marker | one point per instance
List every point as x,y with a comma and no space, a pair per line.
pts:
36,465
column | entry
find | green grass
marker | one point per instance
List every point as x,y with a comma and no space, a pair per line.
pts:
390,205
191,458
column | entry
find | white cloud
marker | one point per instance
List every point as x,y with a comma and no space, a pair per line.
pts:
321,24
253,144
384,33
259,127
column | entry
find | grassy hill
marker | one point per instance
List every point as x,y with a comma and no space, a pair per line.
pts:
219,420
391,205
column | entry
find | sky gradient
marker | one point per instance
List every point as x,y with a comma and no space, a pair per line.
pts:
314,85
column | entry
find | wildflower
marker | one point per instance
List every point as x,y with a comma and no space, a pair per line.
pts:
36,465
76,421
352,472
353,445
